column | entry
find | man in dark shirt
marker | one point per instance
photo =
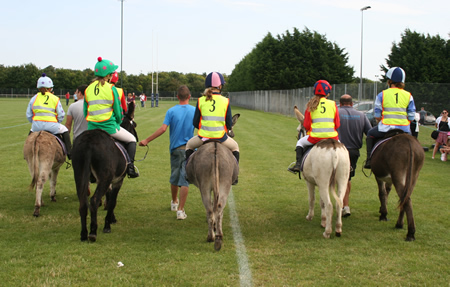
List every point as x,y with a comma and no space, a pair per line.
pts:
353,125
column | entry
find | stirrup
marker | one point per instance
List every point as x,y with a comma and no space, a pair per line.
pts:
291,168
131,171
367,164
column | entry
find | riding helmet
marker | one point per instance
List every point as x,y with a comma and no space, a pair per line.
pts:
396,75
104,67
214,79
322,88
114,78
44,82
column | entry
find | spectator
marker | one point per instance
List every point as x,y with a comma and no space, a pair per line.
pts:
443,126
75,114
321,121
179,118
394,108
445,150
423,115
75,96
142,99
414,125
353,125
45,112
130,99
67,98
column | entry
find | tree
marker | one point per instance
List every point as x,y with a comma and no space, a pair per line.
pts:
425,59
289,61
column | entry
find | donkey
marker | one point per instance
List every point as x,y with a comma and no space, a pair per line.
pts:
96,158
213,168
326,166
44,155
398,162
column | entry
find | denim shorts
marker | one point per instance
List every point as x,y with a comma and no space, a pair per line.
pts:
177,168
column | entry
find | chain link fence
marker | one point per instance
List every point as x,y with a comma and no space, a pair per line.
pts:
433,97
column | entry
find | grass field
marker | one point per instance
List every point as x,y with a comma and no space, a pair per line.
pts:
282,248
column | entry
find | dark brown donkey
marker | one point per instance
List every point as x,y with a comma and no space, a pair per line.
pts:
398,162
212,168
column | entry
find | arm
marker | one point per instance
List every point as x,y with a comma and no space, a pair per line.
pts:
117,109
197,116
29,112
378,109
411,109
337,119
68,122
307,121
229,119
60,112
156,134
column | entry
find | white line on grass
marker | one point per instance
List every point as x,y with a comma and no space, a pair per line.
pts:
245,274
14,126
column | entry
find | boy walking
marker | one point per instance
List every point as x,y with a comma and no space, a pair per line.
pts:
179,118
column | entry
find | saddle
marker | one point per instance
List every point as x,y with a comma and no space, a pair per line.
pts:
58,138
389,135
305,155
121,147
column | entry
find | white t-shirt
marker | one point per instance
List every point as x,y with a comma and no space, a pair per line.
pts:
78,119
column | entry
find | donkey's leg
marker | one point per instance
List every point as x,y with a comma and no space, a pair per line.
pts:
112,201
312,199
95,201
42,178
328,207
206,198
410,217
53,180
341,189
83,210
383,196
221,203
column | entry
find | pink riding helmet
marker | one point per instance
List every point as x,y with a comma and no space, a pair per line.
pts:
214,79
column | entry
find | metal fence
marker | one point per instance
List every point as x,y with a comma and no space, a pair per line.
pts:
434,97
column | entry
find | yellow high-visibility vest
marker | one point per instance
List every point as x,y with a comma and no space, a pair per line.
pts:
395,104
322,118
212,122
100,100
44,108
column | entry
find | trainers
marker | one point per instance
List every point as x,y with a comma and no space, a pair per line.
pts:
346,211
173,206
181,215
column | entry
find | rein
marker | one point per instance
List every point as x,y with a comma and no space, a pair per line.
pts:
144,155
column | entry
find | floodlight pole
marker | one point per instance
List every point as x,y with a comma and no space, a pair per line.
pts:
360,68
121,44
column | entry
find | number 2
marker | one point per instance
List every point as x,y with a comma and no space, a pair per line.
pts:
46,101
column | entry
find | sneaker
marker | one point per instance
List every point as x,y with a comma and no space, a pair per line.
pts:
173,206
181,215
346,211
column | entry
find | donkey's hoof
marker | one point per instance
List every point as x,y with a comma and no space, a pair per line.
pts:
338,234
410,238
218,244
106,230
399,226
53,198
325,235
92,237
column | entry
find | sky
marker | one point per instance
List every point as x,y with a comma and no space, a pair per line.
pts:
202,36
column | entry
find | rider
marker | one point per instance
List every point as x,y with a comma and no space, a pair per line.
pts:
102,109
213,117
123,100
45,112
394,109
321,121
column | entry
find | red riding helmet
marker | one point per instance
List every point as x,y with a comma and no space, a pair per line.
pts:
115,77
322,88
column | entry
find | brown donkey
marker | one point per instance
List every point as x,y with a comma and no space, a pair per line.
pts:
44,156
398,162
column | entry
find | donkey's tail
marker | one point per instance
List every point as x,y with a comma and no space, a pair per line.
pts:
216,177
34,163
407,191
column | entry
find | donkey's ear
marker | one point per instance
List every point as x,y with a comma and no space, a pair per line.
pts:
299,115
235,118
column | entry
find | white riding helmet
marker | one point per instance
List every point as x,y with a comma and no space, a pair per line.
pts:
44,82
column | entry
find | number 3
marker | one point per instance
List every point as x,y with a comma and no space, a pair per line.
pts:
213,106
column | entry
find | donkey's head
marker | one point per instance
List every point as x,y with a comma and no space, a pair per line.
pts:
128,122
300,117
231,132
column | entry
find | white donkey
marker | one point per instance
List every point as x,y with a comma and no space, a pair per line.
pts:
326,166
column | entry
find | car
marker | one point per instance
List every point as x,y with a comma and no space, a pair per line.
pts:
364,106
430,119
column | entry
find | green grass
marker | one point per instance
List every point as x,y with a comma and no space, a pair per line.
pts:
283,248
